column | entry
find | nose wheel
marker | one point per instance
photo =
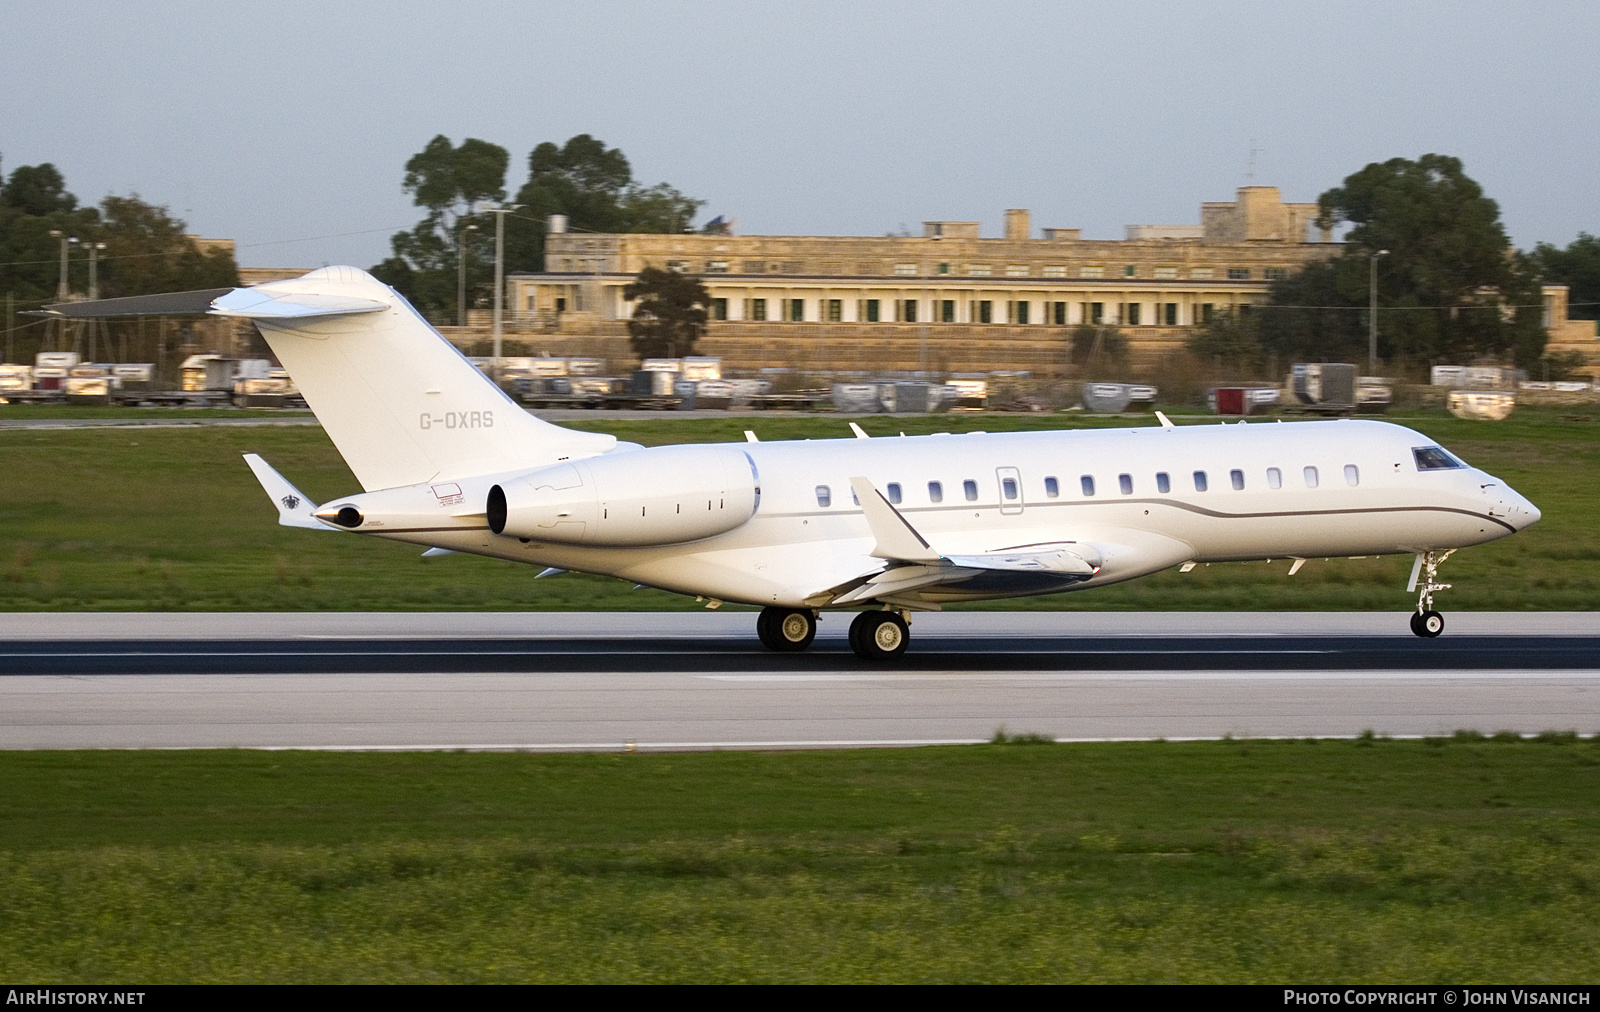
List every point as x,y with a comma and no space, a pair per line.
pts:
786,630
879,635
1426,622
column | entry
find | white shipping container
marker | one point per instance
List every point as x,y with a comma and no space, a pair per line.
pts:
661,365
88,386
56,359
547,367
134,372
1481,405
585,367
699,367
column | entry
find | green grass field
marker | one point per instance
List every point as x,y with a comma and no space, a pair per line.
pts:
1452,861
171,519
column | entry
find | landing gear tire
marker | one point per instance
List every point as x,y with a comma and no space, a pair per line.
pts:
879,635
1427,624
786,630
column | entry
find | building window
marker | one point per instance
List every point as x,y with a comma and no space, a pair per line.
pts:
947,311
935,491
1207,312
944,268
1275,273
681,266
1130,271
1055,272
716,266
1171,314
1166,273
978,270
755,267
1022,311
905,270
1163,483
1016,270
797,310
1097,312
561,305
1274,478
872,311
719,309
969,488
835,310
1131,314
1125,484
1058,312
1200,483
909,311
1052,488
1092,272
985,311
1352,475
893,490
1236,477
1311,477
1087,484
824,496
758,309
1238,274
1200,274
791,267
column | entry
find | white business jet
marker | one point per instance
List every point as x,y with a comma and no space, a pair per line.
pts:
885,526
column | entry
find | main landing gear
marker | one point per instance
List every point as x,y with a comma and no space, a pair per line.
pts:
879,635
786,630
1425,581
874,635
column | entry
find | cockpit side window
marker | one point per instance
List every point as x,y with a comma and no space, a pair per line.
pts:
1434,458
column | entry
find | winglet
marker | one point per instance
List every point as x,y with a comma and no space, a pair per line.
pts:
294,509
896,538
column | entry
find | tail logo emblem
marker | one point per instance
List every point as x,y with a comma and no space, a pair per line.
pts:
290,502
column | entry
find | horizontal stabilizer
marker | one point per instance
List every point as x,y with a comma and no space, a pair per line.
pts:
294,508
275,304
165,304
896,538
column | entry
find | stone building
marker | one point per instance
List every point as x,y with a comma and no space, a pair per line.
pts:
883,301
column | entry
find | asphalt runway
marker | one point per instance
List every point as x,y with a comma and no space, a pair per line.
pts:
699,680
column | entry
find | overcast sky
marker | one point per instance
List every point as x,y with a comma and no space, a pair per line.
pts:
286,125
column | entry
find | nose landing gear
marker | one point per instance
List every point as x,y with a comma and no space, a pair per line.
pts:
1425,621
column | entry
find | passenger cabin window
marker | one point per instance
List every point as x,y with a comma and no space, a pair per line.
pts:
824,496
1236,478
893,488
1052,488
1087,481
1163,483
1008,487
1274,478
1125,483
1434,458
1352,475
1199,481
1311,477
935,492
970,489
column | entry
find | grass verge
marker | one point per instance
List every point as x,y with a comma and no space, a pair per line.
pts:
1453,860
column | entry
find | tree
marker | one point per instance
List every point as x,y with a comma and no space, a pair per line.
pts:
670,316
451,182
1577,267
593,186
1095,346
1232,341
1452,286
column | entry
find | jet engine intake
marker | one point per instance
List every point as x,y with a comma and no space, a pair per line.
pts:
662,496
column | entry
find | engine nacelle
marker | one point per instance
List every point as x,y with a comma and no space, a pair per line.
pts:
661,496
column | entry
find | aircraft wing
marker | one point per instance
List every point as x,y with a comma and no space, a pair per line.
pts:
915,564
294,508
248,303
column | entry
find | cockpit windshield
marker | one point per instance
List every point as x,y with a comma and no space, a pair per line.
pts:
1434,458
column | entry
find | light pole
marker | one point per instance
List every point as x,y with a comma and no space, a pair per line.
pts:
62,291
1372,315
461,273
94,249
499,213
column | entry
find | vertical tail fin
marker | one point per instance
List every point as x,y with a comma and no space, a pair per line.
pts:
402,405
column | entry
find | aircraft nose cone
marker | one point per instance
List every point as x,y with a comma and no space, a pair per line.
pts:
1523,513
